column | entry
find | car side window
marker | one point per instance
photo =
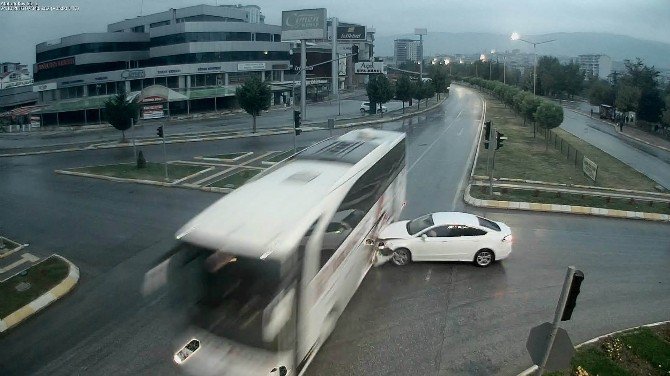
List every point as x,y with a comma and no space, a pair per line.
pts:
471,231
444,231
432,233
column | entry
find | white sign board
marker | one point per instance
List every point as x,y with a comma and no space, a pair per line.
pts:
369,68
250,66
420,31
344,49
590,168
153,111
303,24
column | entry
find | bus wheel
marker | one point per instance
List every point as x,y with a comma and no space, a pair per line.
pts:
401,256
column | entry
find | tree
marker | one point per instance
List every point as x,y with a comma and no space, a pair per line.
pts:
254,96
440,80
600,92
549,115
627,98
417,92
379,90
428,90
573,79
651,106
403,90
665,118
120,112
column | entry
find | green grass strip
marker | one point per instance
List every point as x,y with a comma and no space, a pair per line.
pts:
646,345
42,277
152,171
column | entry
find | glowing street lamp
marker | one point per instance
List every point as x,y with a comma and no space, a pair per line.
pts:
516,36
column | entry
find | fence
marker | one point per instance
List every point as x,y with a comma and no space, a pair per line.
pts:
571,153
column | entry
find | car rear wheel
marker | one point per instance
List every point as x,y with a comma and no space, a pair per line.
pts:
362,111
484,258
401,256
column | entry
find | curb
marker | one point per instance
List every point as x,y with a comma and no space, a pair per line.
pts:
569,209
55,293
533,368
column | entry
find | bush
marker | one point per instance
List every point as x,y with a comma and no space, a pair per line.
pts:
141,162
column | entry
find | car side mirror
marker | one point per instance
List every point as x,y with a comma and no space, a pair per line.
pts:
424,237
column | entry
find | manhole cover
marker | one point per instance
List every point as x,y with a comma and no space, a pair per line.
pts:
23,286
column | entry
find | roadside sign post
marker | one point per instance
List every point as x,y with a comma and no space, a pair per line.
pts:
331,126
493,130
161,133
132,124
557,317
561,352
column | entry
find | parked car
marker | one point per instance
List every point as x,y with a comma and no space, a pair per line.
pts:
365,107
447,236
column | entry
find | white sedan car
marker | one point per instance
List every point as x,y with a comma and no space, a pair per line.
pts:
365,107
450,236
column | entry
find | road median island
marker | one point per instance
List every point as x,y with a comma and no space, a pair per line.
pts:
8,247
153,173
639,351
27,292
556,157
236,179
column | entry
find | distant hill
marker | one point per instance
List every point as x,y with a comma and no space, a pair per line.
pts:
618,47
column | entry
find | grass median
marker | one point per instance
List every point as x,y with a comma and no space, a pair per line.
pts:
28,285
642,351
152,171
526,157
562,198
228,156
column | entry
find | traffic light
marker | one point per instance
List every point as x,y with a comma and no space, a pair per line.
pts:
571,302
296,122
499,140
354,51
487,134
159,131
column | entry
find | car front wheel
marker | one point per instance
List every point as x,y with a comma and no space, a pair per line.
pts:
363,111
401,257
484,258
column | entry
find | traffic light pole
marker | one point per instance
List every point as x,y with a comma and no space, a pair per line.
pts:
491,146
165,156
557,317
303,78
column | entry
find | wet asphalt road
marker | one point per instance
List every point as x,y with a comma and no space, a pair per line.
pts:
424,319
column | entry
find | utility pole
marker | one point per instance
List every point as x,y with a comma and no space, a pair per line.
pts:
303,78
335,65
132,124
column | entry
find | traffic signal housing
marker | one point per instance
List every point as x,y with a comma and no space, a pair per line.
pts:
500,137
159,131
354,51
571,302
487,134
296,122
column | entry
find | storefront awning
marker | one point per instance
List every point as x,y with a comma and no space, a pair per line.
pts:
21,111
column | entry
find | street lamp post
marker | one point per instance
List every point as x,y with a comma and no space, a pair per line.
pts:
421,32
516,36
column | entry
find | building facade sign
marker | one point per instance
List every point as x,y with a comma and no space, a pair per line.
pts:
166,72
303,24
369,68
55,63
43,87
351,33
153,99
153,111
250,66
131,74
10,84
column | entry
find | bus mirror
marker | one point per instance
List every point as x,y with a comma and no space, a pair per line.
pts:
369,242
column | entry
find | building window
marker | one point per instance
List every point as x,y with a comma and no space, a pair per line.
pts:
147,82
161,81
173,82
240,77
157,24
96,89
138,29
263,37
136,85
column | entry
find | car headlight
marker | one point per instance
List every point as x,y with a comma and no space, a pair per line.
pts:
381,244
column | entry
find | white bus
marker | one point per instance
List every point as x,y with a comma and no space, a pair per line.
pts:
268,269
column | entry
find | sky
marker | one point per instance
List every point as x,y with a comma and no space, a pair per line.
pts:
644,19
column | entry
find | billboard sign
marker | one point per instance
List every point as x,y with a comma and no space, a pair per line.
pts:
590,168
250,66
369,67
43,87
153,111
351,33
303,24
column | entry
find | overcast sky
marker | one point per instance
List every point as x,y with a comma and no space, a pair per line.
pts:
645,19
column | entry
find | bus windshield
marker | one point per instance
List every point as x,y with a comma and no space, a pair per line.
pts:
231,293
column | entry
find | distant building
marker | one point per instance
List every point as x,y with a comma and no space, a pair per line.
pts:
406,50
595,65
13,75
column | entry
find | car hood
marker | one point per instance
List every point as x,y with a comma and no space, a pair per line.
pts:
396,230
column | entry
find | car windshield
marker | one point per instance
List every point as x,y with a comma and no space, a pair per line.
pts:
230,293
416,225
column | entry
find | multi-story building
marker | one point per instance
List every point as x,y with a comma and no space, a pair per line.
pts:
16,90
406,50
200,53
595,65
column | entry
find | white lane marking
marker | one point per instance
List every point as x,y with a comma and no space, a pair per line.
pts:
473,152
433,143
460,132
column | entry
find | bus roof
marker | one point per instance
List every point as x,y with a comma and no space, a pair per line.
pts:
266,217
